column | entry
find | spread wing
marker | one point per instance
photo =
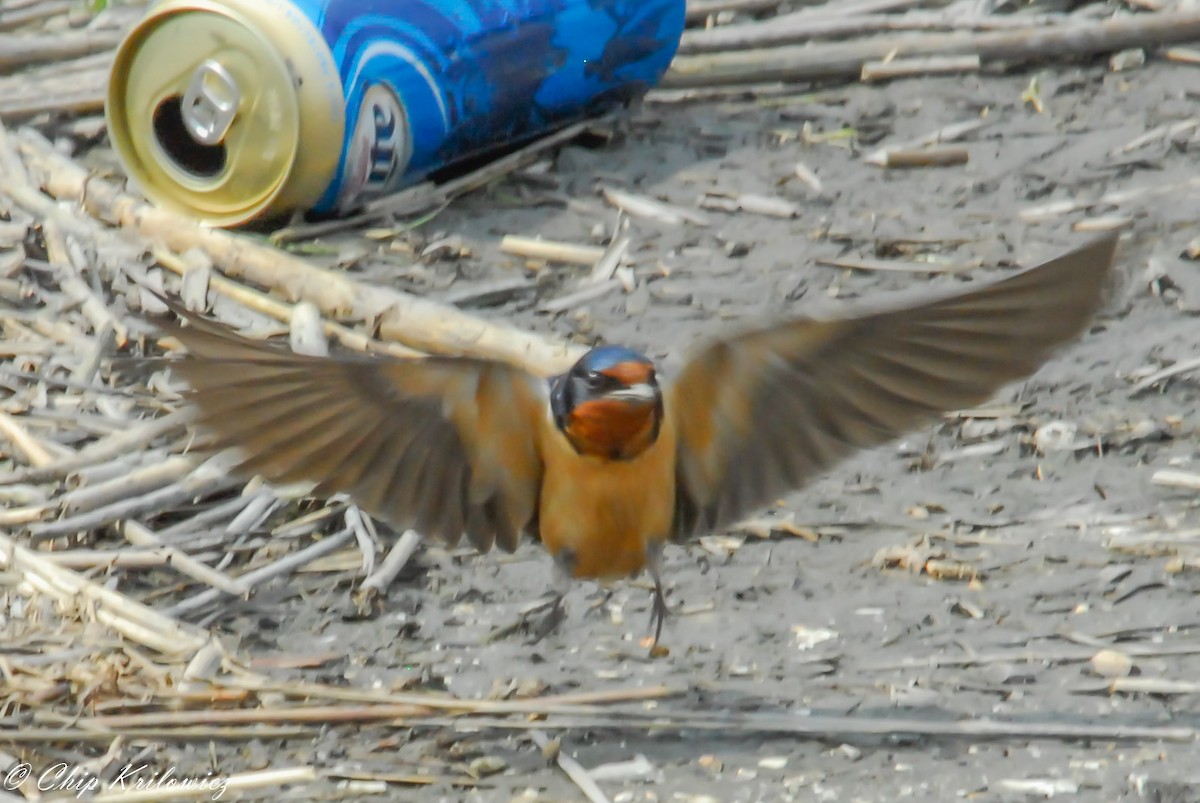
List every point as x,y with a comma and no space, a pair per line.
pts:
445,446
760,414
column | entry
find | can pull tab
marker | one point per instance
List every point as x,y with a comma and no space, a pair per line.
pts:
210,103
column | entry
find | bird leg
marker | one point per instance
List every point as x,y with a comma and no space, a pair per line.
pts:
658,608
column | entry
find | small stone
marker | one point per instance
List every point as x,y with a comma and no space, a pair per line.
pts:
1111,664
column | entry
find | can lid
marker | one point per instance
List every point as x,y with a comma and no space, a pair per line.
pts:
202,110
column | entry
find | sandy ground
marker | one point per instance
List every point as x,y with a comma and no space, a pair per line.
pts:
788,624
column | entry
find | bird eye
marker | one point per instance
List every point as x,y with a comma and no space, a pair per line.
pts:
596,380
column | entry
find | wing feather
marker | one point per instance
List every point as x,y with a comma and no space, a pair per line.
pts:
441,445
761,413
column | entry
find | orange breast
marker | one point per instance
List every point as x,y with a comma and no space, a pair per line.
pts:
604,511
607,428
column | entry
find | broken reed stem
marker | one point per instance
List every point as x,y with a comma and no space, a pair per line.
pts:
699,10
126,616
139,436
419,323
1181,367
1173,478
135,482
800,26
550,250
837,729
397,558
37,455
66,260
140,535
36,735
889,70
209,477
17,51
280,311
572,768
249,580
573,703
846,60
823,728
939,156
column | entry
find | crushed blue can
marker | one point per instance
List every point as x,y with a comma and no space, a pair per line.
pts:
233,110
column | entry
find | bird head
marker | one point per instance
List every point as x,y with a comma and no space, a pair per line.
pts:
609,404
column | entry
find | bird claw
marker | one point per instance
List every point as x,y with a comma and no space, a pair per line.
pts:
658,614
528,621
548,622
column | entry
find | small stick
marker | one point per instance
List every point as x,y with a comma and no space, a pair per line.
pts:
573,703
280,311
909,68
1181,367
250,579
551,250
426,196
130,440
251,716
749,202
36,12
611,259
10,162
27,49
836,728
417,322
801,26
209,477
1102,223
64,259
845,60
141,535
652,209
128,617
1146,685
132,483
699,10
17,516
943,156
1165,131
84,97
395,561
810,179
589,293
573,769
28,445
894,266
1182,55
112,558
104,472
947,133
357,521
1173,478
29,735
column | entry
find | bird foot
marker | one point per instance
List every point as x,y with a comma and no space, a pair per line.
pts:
548,622
659,610
539,619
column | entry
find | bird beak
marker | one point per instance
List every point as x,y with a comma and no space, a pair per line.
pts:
641,392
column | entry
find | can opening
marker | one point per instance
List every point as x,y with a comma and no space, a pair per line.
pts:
203,161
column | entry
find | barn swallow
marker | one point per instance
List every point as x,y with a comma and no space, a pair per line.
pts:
606,463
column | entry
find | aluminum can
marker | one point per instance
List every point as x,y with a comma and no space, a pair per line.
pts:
235,110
